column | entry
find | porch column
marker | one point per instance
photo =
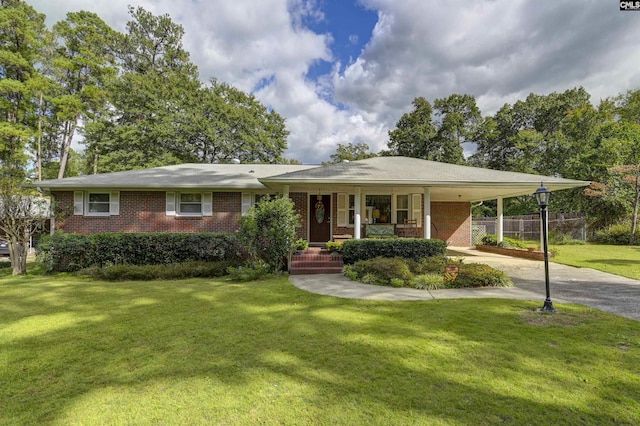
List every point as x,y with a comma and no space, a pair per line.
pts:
427,212
500,221
356,214
285,191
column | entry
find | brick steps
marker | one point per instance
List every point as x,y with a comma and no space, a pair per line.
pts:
315,261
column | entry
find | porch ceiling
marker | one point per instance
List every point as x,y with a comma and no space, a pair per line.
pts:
470,192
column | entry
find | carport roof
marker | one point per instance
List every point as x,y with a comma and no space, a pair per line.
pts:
448,182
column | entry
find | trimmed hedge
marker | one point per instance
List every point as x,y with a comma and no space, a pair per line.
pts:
173,271
408,248
71,252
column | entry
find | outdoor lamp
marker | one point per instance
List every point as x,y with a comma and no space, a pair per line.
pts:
542,196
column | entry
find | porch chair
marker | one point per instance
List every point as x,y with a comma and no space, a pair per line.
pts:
409,230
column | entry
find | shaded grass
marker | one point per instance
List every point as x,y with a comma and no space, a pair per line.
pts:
619,260
198,351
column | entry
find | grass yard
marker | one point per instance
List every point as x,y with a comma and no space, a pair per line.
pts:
619,260
80,352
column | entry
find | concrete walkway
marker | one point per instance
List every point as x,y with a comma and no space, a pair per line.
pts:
607,292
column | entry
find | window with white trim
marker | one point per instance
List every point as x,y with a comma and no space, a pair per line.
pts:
402,208
190,203
351,209
98,203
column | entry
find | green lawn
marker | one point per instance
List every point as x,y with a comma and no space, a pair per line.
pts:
80,352
620,260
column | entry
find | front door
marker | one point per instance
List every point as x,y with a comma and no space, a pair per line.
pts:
319,218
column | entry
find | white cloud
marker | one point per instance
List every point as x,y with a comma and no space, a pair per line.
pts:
498,51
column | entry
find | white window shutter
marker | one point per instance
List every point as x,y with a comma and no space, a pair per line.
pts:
207,204
114,203
171,204
343,209
78,203
247,202
416,208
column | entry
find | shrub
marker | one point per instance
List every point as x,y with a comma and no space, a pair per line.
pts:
301,244
334,246
512,243
479,275
384,269
269,231
492,240
618,234
431,281
250,271
71,252
427,265
159,272
410,248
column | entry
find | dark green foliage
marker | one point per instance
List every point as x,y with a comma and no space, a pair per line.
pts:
427,265
334,246
399,272
410,248
385,269
171,271
269,231
250,271
492,240
615,235
479,275
71,252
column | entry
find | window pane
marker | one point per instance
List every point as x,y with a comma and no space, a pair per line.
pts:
98,198
190,198
402,215
190,208
403,202
381,207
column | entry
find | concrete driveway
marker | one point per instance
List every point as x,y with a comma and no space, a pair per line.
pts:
607,292
585,286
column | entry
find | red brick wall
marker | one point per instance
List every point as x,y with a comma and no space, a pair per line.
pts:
300,201
451,222
144,211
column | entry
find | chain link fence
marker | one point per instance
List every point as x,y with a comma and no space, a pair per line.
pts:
527,227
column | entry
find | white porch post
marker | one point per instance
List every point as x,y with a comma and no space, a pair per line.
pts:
357,214
500,221
427,212
285,191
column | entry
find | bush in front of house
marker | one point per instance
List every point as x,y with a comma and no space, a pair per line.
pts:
618,234
409,248
424,274
492,240
173,271
479,275
269,231
71,252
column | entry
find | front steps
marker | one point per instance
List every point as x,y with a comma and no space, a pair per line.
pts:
316,260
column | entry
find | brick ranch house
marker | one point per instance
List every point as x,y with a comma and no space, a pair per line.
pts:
377,196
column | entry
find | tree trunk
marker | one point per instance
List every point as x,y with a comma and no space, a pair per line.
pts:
18,256
39,141
66,145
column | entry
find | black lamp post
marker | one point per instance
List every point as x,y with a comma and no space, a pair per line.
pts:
542,196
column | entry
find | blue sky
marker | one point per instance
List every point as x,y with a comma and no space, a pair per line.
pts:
344,71
350,26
